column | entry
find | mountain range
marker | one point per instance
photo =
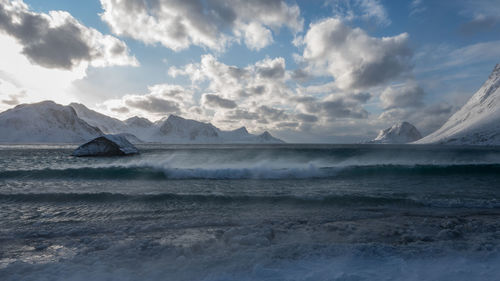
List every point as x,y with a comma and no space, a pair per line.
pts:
49,122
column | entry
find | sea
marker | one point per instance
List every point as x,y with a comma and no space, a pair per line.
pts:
251,212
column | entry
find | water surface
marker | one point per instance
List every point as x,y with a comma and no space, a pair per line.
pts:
260,212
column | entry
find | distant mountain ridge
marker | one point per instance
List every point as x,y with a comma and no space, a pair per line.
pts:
48,122
477,122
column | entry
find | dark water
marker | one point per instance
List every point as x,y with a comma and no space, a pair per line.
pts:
233,212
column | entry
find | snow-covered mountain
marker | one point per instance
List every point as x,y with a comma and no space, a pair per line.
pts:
477,122
403,132
44,122
48,122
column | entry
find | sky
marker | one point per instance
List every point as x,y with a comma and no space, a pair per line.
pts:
306,71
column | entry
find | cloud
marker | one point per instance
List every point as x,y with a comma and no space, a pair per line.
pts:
153,104
483,15
13,99
272,114
121,110
335,106
262,81
478,24
343,107
349,10
263,96
439,58
271,69
300,75
160,101
257,36
241,114
57,40
307,117
402,96
353,58
216,101
178,24
417,7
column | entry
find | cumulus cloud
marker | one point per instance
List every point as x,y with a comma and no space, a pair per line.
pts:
264,80
353,58
57,40
257,36
402,96
178,24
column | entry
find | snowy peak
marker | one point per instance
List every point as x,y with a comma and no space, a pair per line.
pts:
44,122
478,121
399,133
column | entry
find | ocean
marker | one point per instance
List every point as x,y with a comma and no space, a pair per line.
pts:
251,212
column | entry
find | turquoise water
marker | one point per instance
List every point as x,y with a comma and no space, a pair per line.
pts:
262,212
